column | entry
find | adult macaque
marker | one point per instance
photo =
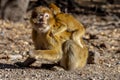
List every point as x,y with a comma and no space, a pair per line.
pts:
55,47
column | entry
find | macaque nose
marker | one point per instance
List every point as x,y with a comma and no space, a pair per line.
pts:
40,19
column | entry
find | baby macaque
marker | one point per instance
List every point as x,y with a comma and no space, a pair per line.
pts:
55,47
72,25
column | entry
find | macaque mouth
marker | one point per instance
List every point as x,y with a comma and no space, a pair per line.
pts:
41,22
40,25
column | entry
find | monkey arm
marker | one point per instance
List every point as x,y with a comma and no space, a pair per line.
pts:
59,28
51,55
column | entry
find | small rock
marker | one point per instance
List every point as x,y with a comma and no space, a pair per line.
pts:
94,57
16,51
14,57
118,63
103,45
3,56
26,43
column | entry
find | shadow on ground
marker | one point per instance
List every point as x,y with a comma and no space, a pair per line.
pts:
13,66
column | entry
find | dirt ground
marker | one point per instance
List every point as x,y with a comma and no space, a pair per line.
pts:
102,37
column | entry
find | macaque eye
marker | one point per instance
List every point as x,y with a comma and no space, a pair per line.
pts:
46,15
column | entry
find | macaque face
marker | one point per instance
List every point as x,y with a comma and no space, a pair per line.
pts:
40,18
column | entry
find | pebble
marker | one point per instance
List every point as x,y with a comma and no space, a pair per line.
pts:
16,56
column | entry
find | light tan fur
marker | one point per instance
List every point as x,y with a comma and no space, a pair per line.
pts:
72,25
53,46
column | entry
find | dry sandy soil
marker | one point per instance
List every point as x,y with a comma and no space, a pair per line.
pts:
102,37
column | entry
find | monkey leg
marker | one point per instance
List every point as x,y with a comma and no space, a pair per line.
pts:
73,56
76,37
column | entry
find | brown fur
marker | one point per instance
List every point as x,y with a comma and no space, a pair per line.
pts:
55,47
